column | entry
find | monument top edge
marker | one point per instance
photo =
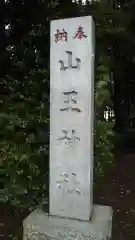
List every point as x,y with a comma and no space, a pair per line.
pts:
83,17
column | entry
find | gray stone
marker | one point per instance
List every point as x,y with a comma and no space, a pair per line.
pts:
40,226
71,117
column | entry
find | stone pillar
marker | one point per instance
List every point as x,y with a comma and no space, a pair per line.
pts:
71,214
71,126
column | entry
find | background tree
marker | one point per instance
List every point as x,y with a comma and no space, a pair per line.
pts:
24,87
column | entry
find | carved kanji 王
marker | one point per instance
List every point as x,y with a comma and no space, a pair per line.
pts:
71,99
80,33
70,66
61,35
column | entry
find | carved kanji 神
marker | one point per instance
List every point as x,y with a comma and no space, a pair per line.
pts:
80,33
69,139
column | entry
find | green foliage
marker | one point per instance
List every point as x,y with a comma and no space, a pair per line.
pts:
24,139
24,106
24,98
104,148
24,153
104,136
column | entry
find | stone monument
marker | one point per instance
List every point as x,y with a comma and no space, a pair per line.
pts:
72,214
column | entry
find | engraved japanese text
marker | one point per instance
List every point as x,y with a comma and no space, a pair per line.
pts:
70,65
80,33
71,98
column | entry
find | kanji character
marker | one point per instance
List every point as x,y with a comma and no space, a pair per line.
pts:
80,33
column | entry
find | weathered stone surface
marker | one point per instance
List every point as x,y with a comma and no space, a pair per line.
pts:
71,117
40,226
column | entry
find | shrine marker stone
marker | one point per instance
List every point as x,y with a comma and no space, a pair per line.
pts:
71,127
72,215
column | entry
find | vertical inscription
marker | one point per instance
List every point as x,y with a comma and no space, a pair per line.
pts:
70,98
71,127
80,33
70,65
69,139
61,35
68,183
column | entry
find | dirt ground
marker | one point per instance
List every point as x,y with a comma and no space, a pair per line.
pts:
117,190
11,222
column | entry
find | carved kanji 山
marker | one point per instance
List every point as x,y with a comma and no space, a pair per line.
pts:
61,35
71,99
80,33
70,66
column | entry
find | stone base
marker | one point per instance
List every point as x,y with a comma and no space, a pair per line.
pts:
39,226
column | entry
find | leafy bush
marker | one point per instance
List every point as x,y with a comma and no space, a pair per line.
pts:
104,135
24,107
104,147
24,147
